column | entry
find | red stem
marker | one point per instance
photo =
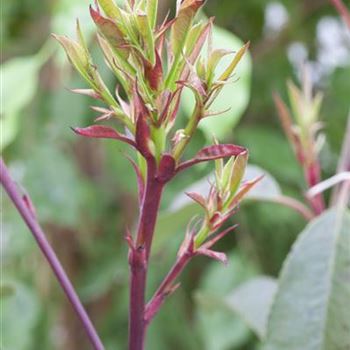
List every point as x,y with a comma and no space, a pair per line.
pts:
139,256
166,286
343,11
313,177
62,278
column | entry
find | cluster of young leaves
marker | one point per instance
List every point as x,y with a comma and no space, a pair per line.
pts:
153,64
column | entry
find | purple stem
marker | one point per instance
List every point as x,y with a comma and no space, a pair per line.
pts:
11,189
139,256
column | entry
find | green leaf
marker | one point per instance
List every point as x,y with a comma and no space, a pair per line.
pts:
252,301
77,56
182,25
110,8
20,76
21,312
152,10
234,95
6,291
147,34
311,310
218,327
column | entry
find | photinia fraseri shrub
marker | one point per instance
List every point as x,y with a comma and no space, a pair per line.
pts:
153,65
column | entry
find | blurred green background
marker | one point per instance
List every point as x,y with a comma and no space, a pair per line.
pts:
85,190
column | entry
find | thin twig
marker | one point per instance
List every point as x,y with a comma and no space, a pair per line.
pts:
62,278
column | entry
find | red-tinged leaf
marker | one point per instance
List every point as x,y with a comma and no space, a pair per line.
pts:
287,125
140,108
143,137
109,7
166,168
198,198
244,190
111,33
197,48
216,221
103,132
221,257
211,153
154,74
87,92
180,29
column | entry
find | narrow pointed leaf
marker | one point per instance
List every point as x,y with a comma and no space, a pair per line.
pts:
198,198
154,74
110,9
76,55
238,171
212,153
230,69
221,257
110,32
182,24
152,10
103,132
147,35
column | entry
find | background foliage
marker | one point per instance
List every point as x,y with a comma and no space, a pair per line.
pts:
85,193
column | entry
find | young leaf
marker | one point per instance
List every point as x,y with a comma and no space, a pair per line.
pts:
238,170
230,69
111,33
182,24
152,10
147,35
103,132
76,55
211,153
110,9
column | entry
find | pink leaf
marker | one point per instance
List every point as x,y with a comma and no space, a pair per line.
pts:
143,137
213,255
198,198
211,153
154,74
103,132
